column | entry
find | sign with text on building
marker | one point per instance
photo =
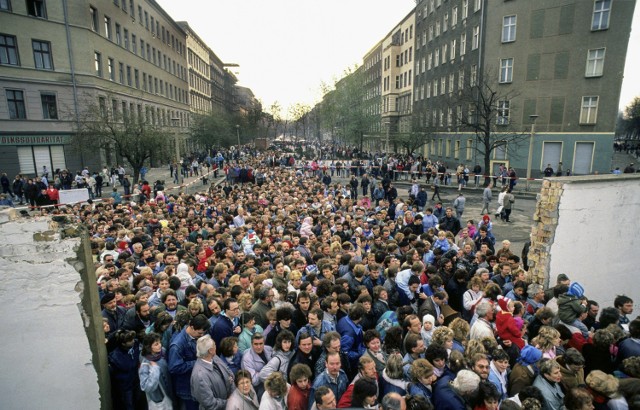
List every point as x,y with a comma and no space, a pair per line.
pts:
34,139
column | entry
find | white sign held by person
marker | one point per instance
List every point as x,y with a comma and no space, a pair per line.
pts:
73,196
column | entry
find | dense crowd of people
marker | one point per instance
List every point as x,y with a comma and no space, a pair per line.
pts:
277,291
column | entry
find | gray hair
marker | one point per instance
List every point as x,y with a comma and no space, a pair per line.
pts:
481,271
533,290
483,308
547,366
391,401
203,345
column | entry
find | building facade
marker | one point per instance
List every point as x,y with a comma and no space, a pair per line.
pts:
557,64
397,76
129,57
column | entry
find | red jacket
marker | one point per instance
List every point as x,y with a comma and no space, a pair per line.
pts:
508,330
297,399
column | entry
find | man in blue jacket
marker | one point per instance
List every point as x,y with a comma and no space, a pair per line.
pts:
227,323
182,357
351,335
333,377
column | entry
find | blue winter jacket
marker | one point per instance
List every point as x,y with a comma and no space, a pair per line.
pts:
182,357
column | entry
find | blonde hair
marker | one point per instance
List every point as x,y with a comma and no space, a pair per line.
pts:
295,275
441,335
196,303
460,329
545,338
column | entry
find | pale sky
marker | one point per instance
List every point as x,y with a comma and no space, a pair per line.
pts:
286,48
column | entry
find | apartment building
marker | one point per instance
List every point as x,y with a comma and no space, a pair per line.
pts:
555,63
398,75
57,58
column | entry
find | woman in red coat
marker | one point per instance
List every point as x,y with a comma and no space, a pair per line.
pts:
298,397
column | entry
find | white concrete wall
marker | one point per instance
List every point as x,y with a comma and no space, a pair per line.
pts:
597,241
45,356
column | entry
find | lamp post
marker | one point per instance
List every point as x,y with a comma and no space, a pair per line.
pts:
532,135
176,122
238,134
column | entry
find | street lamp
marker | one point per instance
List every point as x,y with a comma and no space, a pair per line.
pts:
176,122
238,134
532,135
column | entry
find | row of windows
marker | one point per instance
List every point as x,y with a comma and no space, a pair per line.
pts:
151,114
146,50
440,117
594,65
146,20
18,108
9,55
131,77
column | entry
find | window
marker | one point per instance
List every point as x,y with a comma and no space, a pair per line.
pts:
601,11
15,101
474,75
8,50
475,43
146,20
589,110
453,50
111,69
508,29
126,38
36,8
478,5
107,27
132,9
445,22
461,79
503,112
136,75
118,35
437,28
49,106
98,63
139,14
94,19
129,82
465,9
506,70
452,82
463,44
121,72
443,86
436,61
134,44
5,5
42,54
454,16
153,25
595,62
124,5
102,103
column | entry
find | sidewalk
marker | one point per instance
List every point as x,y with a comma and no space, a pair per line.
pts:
190,185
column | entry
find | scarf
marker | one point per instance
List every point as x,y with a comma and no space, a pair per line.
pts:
155,357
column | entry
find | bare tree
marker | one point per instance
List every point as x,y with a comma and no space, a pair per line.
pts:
132,137
488,106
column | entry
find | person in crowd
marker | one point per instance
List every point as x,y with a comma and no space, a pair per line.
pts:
254,359
549,382
276,392
244,396
211,380
298,397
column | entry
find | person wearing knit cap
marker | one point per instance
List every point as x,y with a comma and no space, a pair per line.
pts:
572,306
112,312
506,326
525,370
428,324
